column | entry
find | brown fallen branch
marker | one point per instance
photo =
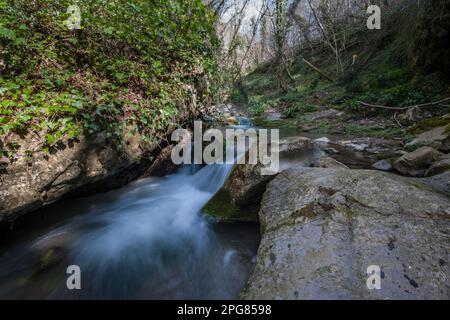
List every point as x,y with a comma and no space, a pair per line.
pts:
317,70
430,104
380,107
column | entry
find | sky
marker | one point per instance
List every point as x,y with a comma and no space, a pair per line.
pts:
251,11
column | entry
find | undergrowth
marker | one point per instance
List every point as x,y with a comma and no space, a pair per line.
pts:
132,63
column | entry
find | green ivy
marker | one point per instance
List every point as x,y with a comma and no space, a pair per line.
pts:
132,63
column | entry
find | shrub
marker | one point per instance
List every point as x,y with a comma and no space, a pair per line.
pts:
257,106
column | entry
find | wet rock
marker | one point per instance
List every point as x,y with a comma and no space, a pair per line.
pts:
440,166
293,144
372,145
232,121
163,164
322,229
323,140
326,114
440,182
331,151
416,164
438,138
383,165
239,199
308,127
416,114
328,162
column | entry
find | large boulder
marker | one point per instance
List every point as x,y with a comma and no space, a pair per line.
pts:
438,138
239,199
416,164
323,228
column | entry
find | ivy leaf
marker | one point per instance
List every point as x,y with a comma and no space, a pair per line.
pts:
51,139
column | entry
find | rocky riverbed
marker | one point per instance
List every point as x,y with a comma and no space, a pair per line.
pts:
326,220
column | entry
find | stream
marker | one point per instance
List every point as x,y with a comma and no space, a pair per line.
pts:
145,241
148,240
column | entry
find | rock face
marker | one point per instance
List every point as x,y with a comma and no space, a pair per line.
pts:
87,166
77,168
438,138
322,229
416,164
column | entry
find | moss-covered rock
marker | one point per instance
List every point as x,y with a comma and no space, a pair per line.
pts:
239,199
322,229
222,207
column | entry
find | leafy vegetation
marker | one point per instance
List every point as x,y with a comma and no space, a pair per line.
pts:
399,66
380,82
132,63
257,105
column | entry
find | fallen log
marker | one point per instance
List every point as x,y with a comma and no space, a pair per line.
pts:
430,104
317,70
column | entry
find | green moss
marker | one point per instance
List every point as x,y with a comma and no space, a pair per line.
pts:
222,208
263,122
49,259
429,124
46,259
375,132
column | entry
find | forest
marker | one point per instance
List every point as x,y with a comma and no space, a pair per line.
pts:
355,96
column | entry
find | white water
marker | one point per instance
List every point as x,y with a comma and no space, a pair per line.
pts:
147,240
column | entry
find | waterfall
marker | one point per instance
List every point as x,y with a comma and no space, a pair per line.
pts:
146,240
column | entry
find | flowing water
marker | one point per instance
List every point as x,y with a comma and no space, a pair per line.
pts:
148,240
